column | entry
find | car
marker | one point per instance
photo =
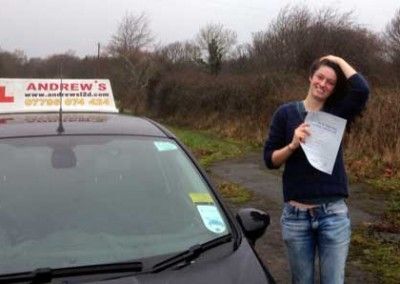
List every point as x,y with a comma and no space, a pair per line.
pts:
91,195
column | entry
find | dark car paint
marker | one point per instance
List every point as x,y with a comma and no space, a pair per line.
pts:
27,125
241,266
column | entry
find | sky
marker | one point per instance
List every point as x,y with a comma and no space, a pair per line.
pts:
44,27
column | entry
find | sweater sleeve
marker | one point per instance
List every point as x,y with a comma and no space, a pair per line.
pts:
276,136
356,99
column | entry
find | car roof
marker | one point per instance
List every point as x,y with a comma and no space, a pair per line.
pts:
46,124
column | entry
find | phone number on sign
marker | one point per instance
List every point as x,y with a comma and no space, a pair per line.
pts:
67,102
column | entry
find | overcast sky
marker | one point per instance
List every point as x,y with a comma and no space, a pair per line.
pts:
44,27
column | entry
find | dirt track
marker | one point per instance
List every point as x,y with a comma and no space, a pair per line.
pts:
250,172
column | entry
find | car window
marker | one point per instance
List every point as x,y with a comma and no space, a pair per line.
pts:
81,200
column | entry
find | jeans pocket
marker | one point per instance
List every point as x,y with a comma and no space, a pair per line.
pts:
287,212
337,208
291,213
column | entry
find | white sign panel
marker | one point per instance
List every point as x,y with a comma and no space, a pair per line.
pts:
322,146
44,95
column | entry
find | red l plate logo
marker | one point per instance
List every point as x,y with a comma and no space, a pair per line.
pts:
3,97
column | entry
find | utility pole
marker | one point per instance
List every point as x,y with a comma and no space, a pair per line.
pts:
98,60
98,50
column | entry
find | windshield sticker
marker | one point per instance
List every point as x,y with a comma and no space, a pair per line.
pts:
211,218
165,146
198,198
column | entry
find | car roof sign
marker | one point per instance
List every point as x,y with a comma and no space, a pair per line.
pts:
43,95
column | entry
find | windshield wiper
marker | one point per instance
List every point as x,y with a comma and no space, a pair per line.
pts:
45,275
186,257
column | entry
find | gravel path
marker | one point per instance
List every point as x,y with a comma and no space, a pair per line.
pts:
250,172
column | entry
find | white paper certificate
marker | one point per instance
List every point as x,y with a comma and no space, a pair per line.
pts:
322,146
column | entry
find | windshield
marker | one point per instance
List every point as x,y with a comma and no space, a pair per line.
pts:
83,200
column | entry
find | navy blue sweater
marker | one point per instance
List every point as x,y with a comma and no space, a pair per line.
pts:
301,181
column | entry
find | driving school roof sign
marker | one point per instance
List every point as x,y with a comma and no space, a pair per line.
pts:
45,95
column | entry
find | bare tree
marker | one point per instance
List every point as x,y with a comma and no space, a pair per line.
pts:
132,35
392,36
298,36
241,51
181,52
133,67
173,52
216,41
12,64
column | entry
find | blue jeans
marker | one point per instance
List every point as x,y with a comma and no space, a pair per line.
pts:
325,229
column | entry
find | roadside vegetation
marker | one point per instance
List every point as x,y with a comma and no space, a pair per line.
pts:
208,148
377,253
234,192
377,245
229,90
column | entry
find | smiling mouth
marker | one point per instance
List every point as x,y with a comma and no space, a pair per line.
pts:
320,91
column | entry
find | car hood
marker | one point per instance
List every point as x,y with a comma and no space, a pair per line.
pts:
241,266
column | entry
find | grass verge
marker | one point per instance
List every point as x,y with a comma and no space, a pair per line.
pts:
234,193
390,221
378,254
377,245
208,147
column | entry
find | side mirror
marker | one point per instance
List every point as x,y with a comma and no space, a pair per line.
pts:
254,222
